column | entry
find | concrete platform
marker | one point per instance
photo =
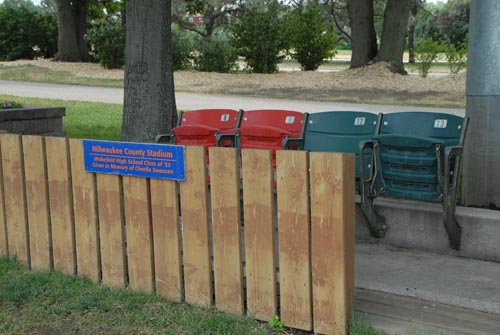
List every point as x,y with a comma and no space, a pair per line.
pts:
404,291
419,225
398,315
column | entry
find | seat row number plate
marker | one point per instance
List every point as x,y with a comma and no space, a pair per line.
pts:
440,123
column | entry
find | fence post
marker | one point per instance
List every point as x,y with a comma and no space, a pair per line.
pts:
225,192
258,200
15,197
85,211
37,201
332,237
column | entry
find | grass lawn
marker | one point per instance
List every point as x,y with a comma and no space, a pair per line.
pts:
93,120
39,74
52,303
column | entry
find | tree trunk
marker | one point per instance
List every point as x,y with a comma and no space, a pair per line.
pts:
149,103
396,16
363,35
414,8
411,42
72,26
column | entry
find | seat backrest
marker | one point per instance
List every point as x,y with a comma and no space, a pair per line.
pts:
410,154
286,120
224,120
440,126
199,127
267,128
340,131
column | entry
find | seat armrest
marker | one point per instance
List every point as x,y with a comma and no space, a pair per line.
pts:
453,151
290,142
164,138
363,146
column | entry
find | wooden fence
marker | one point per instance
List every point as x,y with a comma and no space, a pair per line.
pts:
188,240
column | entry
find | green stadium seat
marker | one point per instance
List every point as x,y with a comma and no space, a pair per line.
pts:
339,131
416,156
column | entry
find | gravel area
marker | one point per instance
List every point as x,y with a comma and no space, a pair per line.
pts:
374,83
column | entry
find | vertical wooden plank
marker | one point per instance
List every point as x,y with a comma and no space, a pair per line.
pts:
260,263
195,228
332,237
139,233
15,197
4,246
166,238
85,212
225,192
294,239
109,199
37,201
61,206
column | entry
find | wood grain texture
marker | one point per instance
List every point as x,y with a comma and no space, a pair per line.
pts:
332,238
167,238
61,205
196,240
4,246
225,196
139,233
258,202
85,211
111,230
37,201
294,239
15,197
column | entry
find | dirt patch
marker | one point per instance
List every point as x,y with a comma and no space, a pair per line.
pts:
372,84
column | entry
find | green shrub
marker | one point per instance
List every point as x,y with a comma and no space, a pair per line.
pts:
426,52
10,104
259,37
456,58
182,48
215,54
27,31
312,40
107,40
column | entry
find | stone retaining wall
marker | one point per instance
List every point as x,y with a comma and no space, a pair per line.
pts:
45,121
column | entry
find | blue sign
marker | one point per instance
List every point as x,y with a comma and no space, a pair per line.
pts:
135,159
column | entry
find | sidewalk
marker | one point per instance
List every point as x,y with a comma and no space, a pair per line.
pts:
190,101
414,292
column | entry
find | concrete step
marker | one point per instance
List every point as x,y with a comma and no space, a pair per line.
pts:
455,281
398,315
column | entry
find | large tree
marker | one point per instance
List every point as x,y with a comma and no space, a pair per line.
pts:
363,36
149,102
72,25
392,47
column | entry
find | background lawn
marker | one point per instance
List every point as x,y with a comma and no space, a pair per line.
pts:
93,120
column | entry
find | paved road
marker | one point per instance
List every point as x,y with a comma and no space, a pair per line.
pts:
195,101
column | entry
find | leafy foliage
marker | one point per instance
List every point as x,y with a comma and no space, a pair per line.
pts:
260,37
456,57
426,52
444,22
312,40
107,39
276,323
215,54
182,48
7,104
27,31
